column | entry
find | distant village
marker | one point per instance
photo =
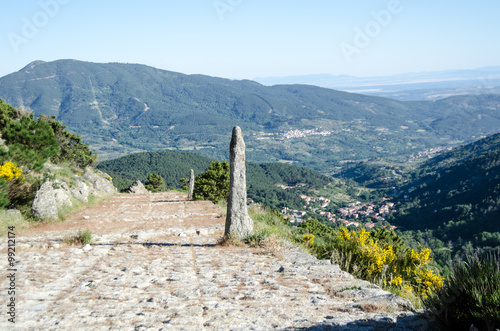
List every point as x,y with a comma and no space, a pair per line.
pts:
428,154
354,214
295,134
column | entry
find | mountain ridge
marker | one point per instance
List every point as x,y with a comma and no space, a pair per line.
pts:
123,108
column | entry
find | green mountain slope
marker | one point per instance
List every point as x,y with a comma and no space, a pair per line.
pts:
456,194
124,108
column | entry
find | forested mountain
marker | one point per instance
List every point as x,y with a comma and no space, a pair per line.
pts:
456,195
123,108
275,185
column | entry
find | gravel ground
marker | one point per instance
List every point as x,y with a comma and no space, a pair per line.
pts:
155,264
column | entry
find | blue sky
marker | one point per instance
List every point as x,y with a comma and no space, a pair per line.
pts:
255,38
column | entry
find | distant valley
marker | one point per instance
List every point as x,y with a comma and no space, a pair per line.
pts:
124,108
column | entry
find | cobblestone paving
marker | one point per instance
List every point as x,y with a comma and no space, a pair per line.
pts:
155,265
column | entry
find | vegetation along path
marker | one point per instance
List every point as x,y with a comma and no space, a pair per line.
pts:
155,264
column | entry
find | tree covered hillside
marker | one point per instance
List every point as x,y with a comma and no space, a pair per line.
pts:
125,108
457,195
275,185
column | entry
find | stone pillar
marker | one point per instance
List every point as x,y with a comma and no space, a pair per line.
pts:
237,220
191,185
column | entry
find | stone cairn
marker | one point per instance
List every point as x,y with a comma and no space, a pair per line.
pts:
191,185
237,220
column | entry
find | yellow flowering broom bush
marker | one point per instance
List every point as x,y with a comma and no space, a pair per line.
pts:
382,263
9,171
379,256
308,239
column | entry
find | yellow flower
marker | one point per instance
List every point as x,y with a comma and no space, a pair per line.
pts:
10,171
308,239
398,280
344,233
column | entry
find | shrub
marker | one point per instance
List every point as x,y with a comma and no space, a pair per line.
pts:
7,113
30,142
213,185
10,181
471,295
155,183
380,262
308,239
83,238
4,194
380,257
10,171
72,148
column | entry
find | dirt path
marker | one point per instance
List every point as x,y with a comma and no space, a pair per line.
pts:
155,265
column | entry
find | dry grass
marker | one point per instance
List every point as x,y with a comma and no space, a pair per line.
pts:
81,238
230,241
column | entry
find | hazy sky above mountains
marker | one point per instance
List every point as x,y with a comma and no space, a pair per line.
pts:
255,38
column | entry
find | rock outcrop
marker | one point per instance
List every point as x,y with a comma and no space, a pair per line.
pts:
137,188
62,195
55,195
237,220
81,192
44,205
11,215
100,181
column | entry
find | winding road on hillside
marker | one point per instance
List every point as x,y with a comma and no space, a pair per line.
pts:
155,264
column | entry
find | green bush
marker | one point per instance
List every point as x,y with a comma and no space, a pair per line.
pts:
4,194
213,185
471,295
81,238
72,148
84,237
31,143
155,183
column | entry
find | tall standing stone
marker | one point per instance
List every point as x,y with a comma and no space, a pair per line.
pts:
191,185
237,220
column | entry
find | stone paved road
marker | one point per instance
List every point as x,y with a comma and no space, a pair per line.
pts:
155,265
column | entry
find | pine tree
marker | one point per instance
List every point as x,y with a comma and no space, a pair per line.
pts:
213,185
155,183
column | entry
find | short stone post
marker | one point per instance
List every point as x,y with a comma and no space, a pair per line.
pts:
237,220
191,185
